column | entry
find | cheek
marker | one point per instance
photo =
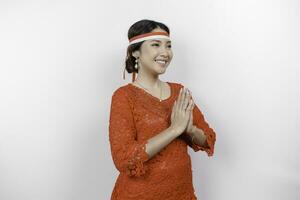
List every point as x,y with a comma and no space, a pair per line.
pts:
149,55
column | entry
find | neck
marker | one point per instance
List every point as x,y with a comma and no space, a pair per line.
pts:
149,81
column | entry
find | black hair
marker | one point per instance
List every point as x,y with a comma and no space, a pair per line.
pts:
138,28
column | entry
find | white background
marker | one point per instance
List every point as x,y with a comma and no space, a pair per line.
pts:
61,61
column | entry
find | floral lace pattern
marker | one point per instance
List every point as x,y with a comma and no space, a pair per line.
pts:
136,116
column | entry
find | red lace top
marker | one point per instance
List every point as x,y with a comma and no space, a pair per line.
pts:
135,117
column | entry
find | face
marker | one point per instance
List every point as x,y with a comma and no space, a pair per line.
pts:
155,55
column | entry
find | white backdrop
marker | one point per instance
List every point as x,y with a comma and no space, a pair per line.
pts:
61,61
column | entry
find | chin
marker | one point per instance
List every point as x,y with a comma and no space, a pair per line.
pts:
161,68
161,71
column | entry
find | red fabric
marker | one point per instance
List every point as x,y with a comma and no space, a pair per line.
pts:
135,117
148,34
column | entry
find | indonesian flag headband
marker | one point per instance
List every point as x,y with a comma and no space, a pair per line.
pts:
143,37
148,36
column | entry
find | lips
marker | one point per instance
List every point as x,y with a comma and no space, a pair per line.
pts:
162,62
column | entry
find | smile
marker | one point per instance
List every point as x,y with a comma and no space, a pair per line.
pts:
162,62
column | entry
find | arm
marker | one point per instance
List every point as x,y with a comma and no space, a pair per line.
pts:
158,142
198,137
202,136
128,154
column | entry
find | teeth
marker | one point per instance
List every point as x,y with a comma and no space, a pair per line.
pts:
161,61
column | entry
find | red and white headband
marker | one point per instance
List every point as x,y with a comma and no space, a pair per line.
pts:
149,36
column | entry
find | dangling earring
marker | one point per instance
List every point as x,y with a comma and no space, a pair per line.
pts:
134,73
136,64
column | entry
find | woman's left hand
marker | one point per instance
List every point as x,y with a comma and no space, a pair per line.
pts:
190,127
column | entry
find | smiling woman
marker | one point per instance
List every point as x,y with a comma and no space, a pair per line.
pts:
152,123
146,39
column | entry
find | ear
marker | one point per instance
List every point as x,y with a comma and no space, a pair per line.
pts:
136,54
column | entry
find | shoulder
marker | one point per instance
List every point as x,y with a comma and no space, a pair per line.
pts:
121,91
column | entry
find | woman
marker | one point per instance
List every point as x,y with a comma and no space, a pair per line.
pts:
152,122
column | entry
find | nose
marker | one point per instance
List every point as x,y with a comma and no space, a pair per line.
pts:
164,52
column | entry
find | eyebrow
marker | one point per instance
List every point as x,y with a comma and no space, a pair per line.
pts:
169,41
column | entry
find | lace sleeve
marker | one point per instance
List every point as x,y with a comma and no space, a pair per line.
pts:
199,122
128,154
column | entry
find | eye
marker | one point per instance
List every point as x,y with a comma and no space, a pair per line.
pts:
169,46
155,44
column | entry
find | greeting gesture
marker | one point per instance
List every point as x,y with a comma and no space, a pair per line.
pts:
181,112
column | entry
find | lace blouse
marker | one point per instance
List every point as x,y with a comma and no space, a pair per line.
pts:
136,116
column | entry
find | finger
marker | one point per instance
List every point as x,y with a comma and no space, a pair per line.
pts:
193,104
174,109
189,108
172,113
189,96
176,106
191,119
181,95
190,93
192,100
183,100
178,98
186,99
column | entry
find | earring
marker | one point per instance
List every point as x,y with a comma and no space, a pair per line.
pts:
136,64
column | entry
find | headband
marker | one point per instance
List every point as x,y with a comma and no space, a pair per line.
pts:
148,36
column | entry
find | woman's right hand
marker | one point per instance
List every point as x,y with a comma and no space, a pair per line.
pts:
181,111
